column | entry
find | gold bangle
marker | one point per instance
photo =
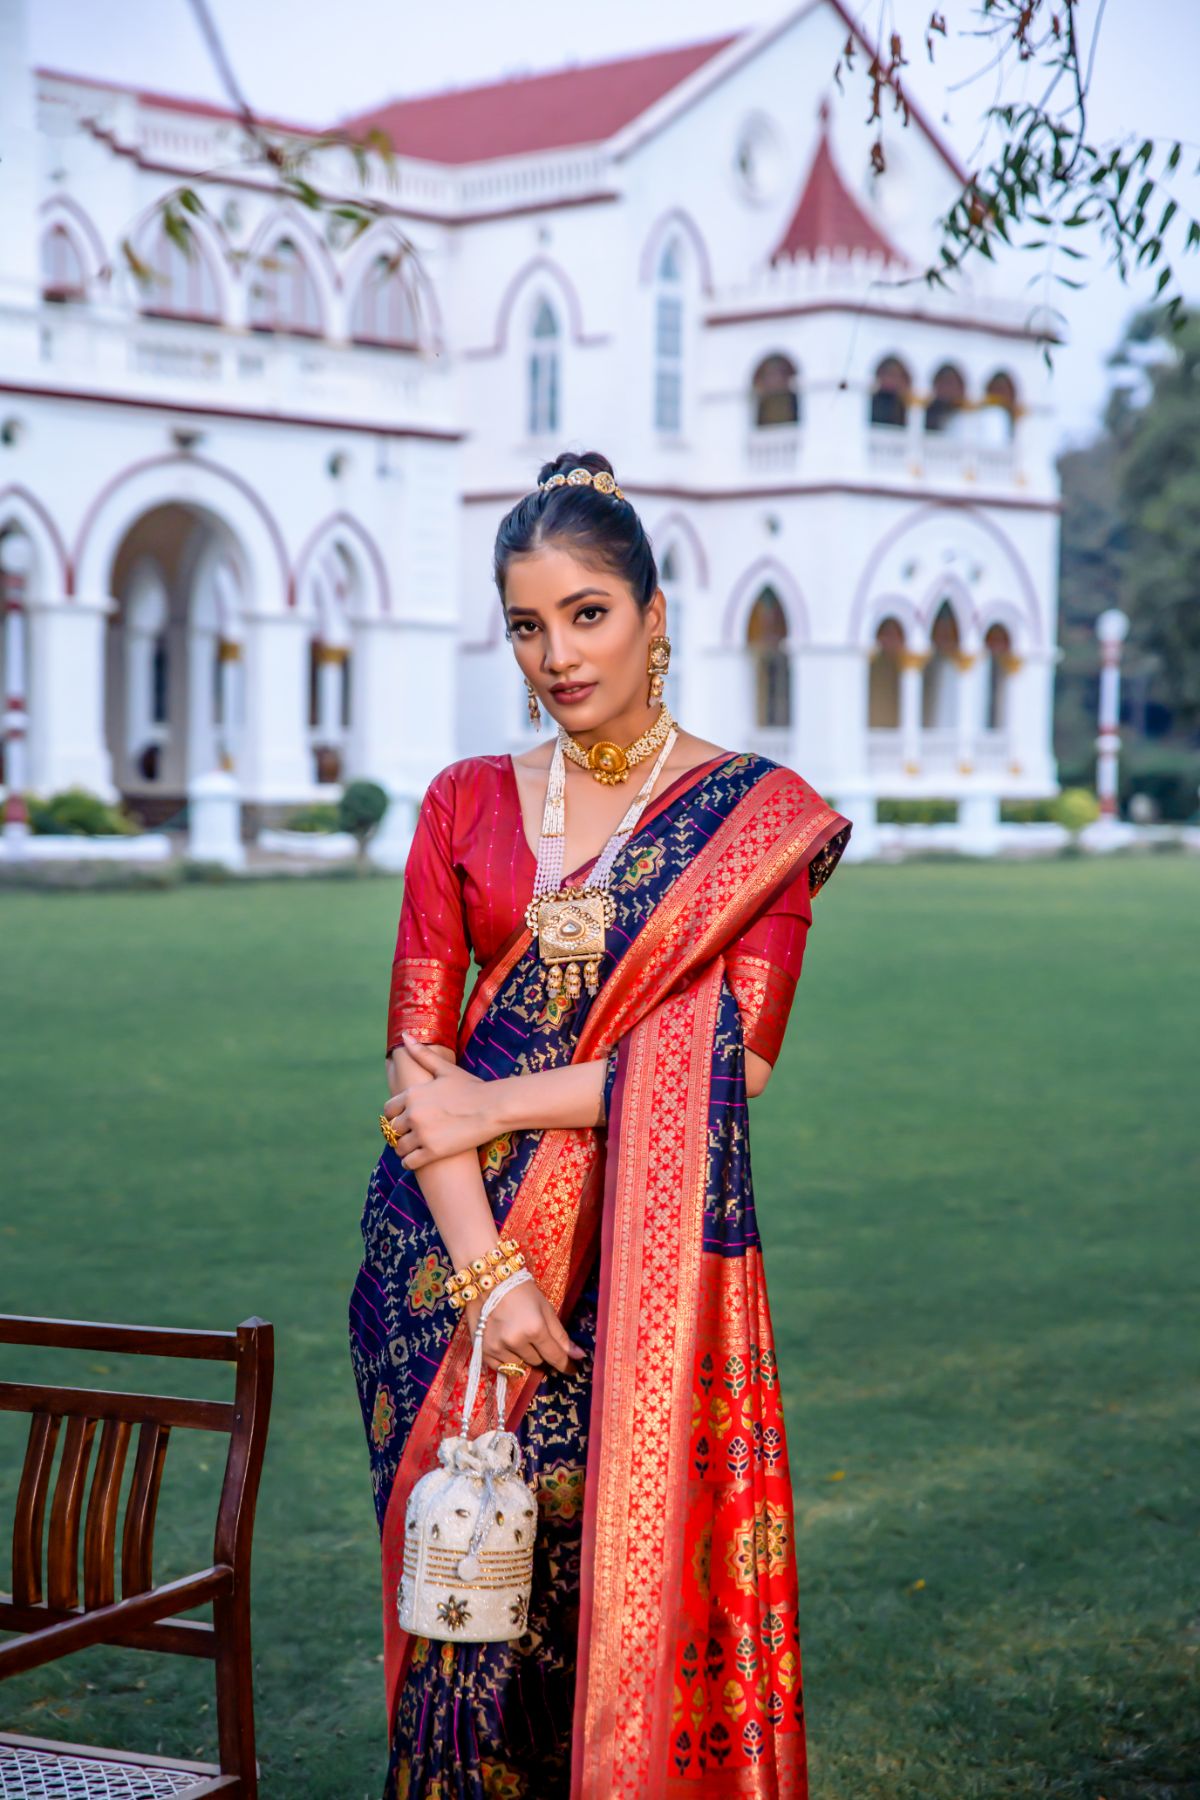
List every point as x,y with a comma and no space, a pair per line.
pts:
506,1255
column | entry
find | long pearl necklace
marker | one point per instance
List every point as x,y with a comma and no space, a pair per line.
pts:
570,923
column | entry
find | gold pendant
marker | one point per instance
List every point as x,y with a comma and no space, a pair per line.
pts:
608,762
569,925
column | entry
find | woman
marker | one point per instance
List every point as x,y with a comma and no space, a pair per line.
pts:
606,1132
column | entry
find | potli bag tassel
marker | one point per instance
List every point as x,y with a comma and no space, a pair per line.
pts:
469,1527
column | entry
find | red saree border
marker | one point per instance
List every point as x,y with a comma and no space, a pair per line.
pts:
638,1453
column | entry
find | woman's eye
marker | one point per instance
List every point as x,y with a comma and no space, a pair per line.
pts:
597,612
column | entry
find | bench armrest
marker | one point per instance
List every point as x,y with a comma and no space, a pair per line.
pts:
53,1641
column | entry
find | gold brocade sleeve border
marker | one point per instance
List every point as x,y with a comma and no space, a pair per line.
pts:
424,998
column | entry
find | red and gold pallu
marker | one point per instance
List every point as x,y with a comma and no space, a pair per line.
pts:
688,1658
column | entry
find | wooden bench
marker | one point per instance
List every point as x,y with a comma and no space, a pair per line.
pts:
55,1617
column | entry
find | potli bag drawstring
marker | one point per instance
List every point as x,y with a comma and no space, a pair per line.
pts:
469,1525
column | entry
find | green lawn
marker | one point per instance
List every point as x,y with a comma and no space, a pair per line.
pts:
977,1170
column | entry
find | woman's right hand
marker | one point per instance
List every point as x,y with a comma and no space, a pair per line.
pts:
525,1327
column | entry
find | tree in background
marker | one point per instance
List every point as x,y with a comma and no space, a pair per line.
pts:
1131,538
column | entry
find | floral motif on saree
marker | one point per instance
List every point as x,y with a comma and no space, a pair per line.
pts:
665,1614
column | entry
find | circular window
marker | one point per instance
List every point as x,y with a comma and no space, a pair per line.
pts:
759,159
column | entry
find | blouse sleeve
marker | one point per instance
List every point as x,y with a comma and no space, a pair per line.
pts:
429,970
763,965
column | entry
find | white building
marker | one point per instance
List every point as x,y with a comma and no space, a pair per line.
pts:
246,509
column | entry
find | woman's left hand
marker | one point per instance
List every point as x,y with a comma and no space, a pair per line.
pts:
442,1116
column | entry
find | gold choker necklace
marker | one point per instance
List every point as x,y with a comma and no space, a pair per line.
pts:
608,762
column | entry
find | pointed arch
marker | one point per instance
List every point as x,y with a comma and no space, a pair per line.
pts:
676,527
198,286
766,572
384,243
62,209
551,275
291,278
21,510
676,221
193,481
377,598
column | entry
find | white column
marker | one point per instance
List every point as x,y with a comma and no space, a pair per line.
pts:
969,702
275,759
912,666
330,658
68,747
1029,704
16,558
229,660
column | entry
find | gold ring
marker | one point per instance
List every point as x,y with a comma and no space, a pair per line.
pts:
510,1368
389,1131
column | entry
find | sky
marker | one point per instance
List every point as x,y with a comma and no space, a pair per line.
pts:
302,60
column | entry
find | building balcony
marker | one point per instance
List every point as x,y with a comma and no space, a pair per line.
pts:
940,754
176,362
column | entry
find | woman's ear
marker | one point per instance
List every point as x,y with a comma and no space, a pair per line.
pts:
656,613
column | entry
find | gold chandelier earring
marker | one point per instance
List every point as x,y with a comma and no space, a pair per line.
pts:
657,663
535,711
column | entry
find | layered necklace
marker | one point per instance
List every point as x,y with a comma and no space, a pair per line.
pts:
570,923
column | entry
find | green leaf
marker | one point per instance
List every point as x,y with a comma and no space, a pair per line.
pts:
1169,211
1164,277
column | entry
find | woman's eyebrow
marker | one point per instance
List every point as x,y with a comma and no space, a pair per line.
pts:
567,600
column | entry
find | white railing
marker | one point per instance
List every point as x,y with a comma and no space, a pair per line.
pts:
937,752
178,361
774,449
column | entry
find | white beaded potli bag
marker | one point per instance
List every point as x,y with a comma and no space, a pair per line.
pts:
469,1526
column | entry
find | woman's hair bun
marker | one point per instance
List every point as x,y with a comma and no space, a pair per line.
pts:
600,528
570,459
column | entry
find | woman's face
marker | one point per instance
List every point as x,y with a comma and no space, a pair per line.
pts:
580,637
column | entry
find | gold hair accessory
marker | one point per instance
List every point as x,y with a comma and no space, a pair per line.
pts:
602,481
609,762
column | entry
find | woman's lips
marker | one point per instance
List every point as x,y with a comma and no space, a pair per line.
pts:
569,695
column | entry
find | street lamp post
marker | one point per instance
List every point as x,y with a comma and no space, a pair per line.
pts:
1112,628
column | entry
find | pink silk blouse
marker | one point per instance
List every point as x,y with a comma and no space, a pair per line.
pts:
469,878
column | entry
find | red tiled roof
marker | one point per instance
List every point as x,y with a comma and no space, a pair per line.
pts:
827,216
581,105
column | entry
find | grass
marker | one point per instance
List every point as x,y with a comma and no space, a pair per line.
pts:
977,1168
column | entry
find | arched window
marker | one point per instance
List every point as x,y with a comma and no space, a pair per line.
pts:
63,275
668,341
766,635
183,283
891,393
1000,658
939,681
1000,408
283,294
883,691
384,310
946,402
776,388
544,371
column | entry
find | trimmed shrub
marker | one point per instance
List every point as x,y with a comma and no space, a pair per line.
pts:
321,817
917,812
1076,807
360,810
77,813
